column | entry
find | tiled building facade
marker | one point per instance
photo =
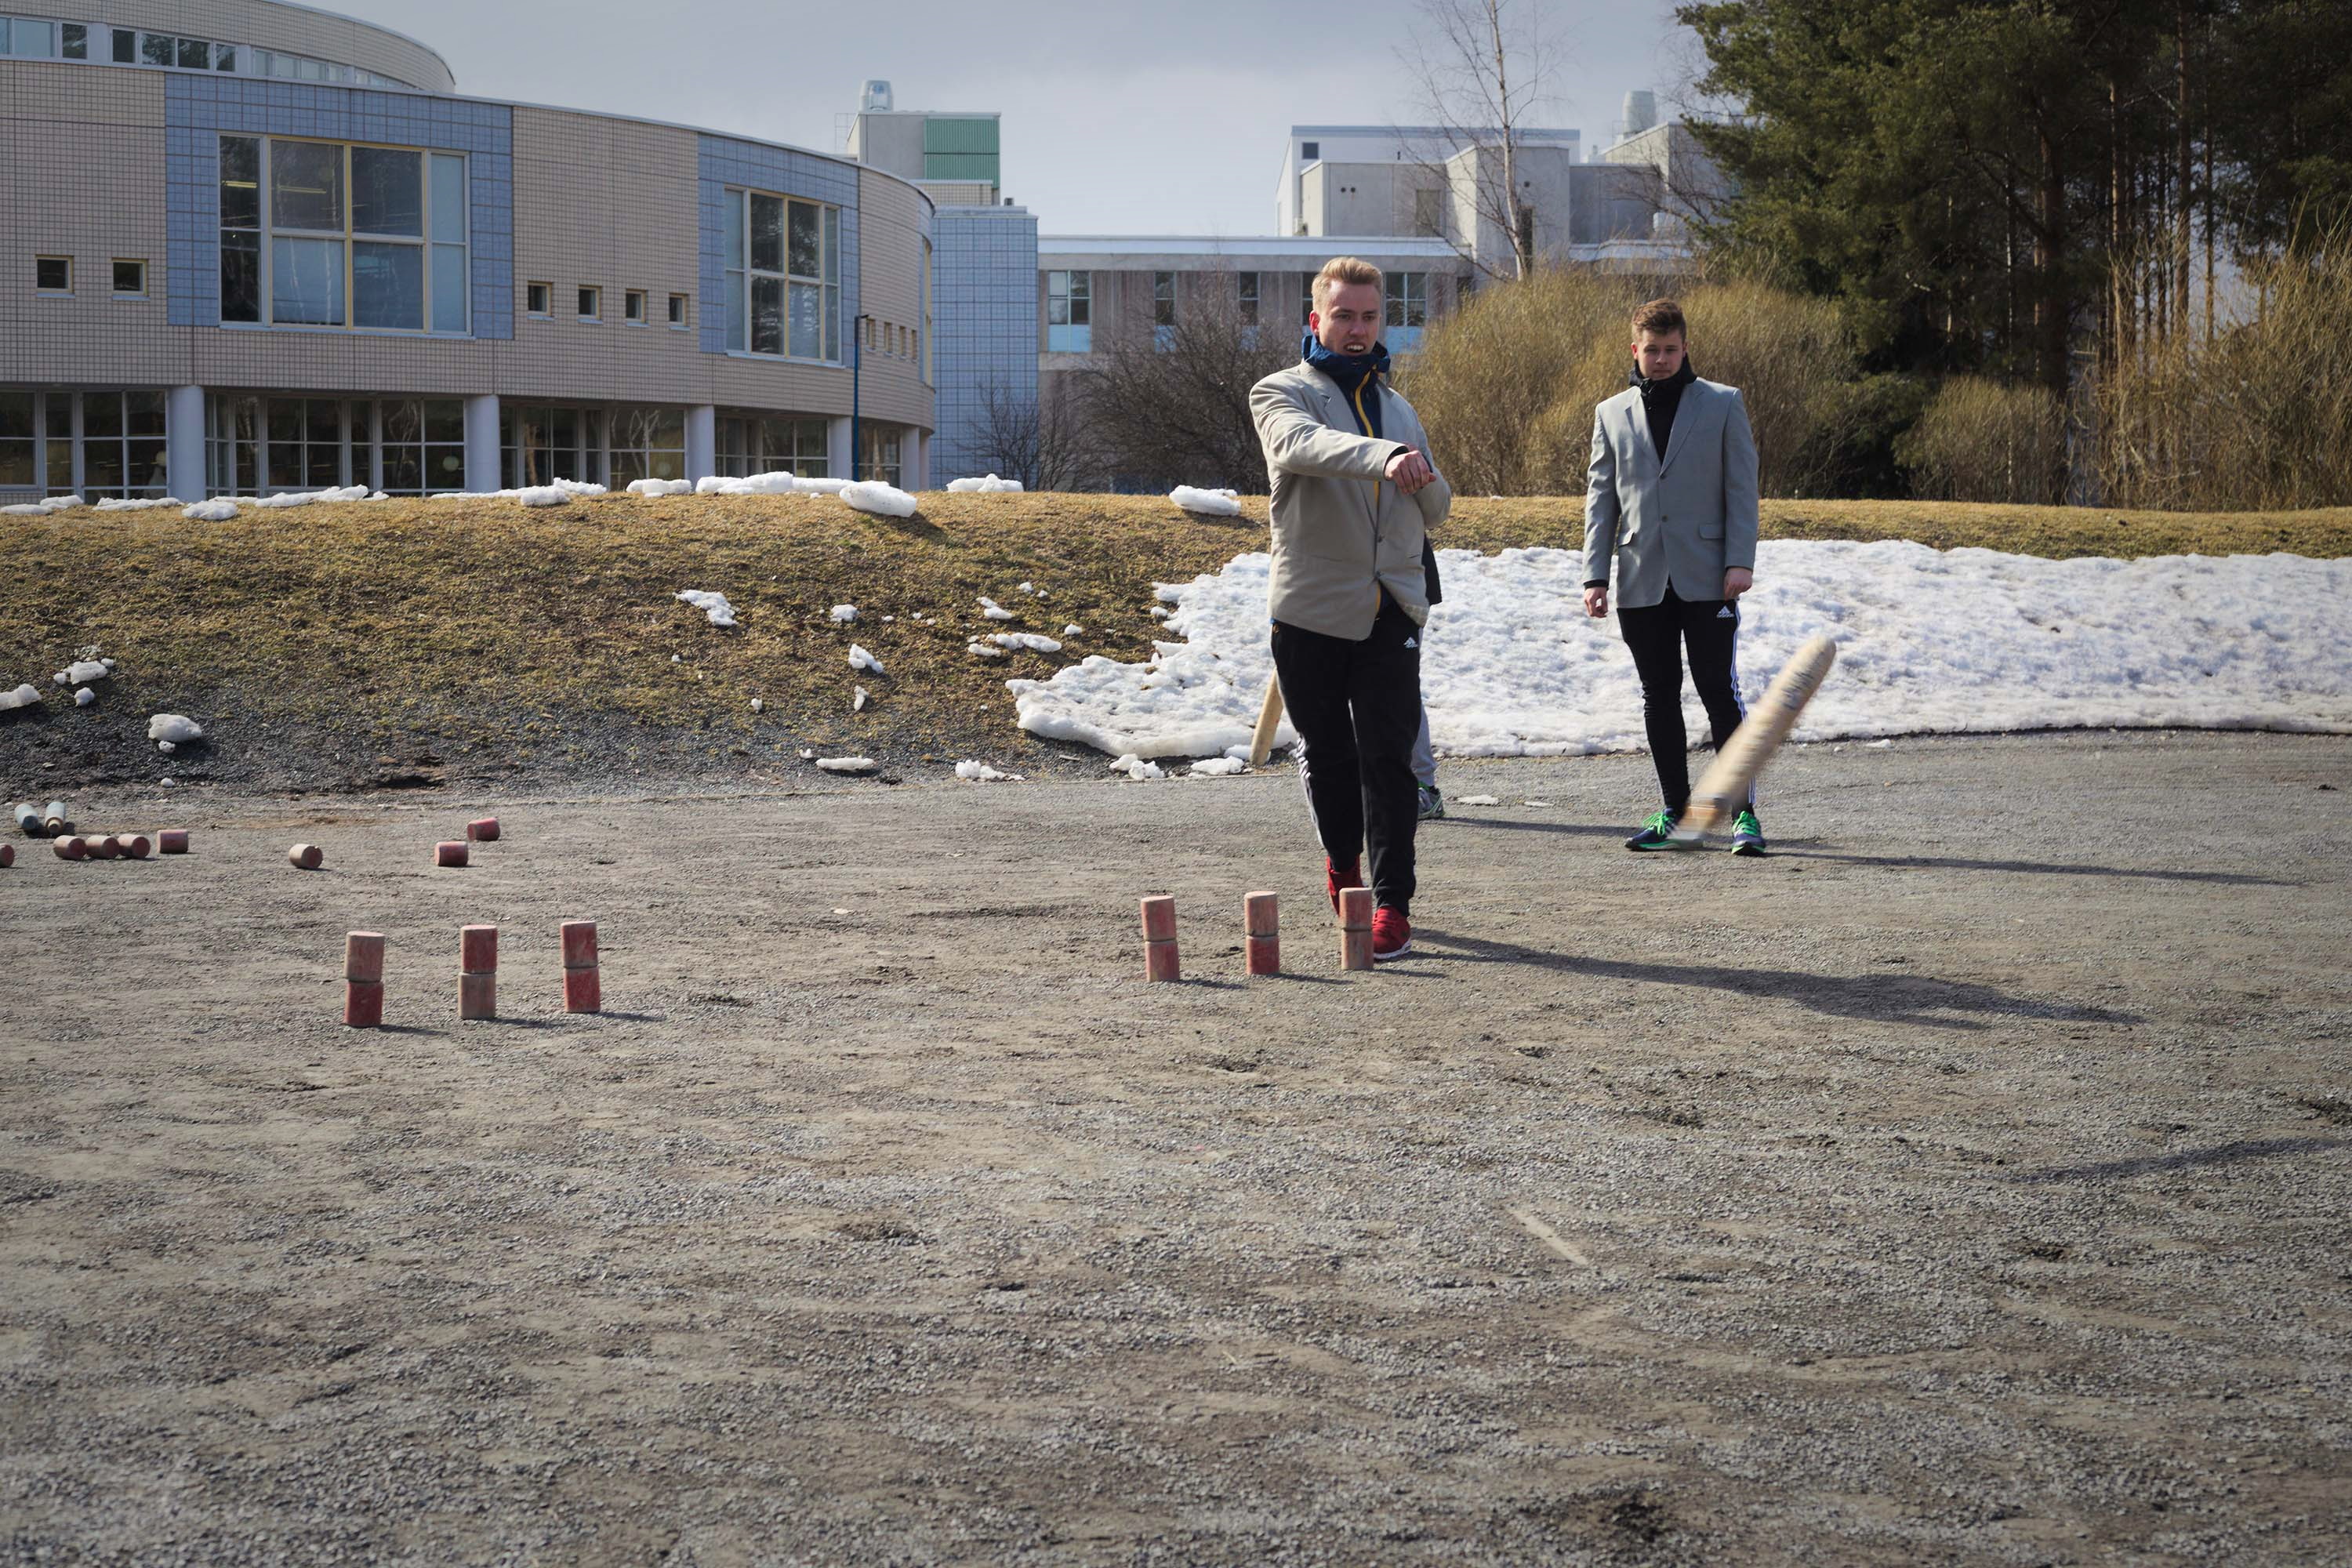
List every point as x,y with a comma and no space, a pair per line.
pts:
254,246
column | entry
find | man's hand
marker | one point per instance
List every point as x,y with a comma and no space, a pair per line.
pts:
1737,581
1409,473
1596,602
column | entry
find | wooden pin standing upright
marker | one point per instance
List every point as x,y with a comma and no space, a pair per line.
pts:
1262,939
478,972
1160,960
364,980
1355,928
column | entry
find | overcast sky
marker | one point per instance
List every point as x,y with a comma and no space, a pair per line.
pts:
1120,117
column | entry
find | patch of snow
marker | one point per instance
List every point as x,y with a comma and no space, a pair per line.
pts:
41,508
1207,503
1513,667
84,697
992,610
25,696
756,705
983,650
211,511
858,696
659,488
880,499
1476,800
844,613
770,484
1878,745
860,659
991,485
1026,641
1074,629
981,773
1028,587
166,747
176,728
846,764
713,605
807,755
825,487
81,671
112,503
305,497
1136,768
1220,767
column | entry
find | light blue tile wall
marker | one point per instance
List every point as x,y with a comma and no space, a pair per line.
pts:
984,325
198,108
725,162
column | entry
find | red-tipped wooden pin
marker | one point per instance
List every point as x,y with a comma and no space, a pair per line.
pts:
1355,928
583,989
449,852
172,841
69,848
478,978
307,856
134,845
483,830
1160,960
364,980
1262,924
7,856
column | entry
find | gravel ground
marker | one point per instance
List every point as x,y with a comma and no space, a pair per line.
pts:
1965,1183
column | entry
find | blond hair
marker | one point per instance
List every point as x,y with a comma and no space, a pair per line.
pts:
1340,271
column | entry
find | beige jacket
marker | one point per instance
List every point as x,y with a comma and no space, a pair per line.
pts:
1341,532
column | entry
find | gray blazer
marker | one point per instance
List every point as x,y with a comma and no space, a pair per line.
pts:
1686,522
1341,532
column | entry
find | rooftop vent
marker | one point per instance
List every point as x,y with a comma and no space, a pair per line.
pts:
876,99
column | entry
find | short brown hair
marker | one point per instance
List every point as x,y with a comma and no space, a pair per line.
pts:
1340,271
1658,318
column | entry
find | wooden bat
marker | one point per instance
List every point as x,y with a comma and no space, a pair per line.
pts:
1723,788
1269,719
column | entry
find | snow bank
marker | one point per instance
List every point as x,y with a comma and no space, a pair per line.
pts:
305,497
715,606
112,503
41,508
771,484
1208,504
177,729
825,487
1929,642
211,511
659,488
981,773
991,485
860,659
881,499
846,764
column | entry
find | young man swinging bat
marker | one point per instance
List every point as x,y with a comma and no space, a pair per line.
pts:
1670,504
1353,495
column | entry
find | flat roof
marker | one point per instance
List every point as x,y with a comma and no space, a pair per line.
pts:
1284,245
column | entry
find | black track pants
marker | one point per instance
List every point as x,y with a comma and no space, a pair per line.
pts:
1357,709
1658,635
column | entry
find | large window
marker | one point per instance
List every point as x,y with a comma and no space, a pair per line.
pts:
885,447
1408,310
647,443
1069,313
1245,296
307,442
422,442
94,444
546,444
343,235
783,277
755,443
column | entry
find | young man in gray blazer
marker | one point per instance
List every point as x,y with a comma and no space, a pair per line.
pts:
1670,501
1353,494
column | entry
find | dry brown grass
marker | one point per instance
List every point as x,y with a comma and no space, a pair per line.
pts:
482,627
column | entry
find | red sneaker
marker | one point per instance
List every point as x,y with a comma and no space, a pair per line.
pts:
1392,935
1334,878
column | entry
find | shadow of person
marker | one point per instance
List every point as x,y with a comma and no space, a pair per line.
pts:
1895,999
1782,851
2185,1159
1583,830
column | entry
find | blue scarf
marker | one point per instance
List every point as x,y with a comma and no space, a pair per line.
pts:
1350,370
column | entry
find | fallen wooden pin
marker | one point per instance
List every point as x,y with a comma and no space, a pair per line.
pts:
306,856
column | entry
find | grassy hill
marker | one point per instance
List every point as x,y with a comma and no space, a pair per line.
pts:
390,643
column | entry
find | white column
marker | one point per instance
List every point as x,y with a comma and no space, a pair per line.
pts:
183,442
482,443
701,442
837,446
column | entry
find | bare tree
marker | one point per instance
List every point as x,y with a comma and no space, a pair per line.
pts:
1481,67
1170,405
1038,439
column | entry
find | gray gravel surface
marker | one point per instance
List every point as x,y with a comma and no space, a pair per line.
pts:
1965,1183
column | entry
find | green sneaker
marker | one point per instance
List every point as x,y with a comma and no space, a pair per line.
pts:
1431,804
1656,833
1747,834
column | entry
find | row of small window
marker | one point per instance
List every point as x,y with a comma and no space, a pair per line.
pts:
92,444
39,38
889,338
343,235
539,300
1070,306
54,275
